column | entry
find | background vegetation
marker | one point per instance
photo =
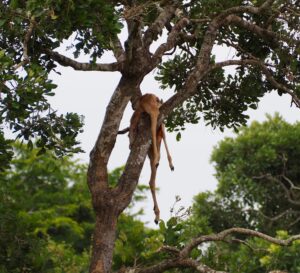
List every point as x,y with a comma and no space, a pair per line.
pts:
46,218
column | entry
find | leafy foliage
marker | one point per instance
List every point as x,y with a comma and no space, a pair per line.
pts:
258,170
24,102
250,169
47,219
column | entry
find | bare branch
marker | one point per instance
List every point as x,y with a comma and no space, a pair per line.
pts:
293,187
118,50
182,259
294,222
156,28
65,61
222,235
287,191
171,41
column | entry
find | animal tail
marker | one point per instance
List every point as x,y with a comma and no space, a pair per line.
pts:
124,131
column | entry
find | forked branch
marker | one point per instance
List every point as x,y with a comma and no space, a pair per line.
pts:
182,259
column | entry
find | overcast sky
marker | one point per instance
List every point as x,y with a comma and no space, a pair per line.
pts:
88,93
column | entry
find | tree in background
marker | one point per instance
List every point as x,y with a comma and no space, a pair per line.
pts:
259,175
264,34
258,188
47,221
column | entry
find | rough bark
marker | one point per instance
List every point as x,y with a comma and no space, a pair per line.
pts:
104,198
103,240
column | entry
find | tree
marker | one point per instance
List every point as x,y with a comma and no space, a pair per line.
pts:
258,187
46,216
265,35
47,219
258,174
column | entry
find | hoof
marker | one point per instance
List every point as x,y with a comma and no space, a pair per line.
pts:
172,168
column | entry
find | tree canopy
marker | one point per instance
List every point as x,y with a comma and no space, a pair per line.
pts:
175,38
257,175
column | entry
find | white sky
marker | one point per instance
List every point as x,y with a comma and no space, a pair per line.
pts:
88,93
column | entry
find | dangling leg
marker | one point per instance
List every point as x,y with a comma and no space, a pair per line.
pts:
153,186
166,146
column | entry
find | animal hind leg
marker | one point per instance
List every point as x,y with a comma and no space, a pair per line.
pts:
153,189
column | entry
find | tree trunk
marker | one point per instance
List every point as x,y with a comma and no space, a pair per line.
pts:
103,241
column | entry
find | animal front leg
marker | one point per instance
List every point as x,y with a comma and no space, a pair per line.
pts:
166,146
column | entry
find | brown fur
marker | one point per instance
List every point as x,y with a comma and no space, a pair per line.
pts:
150,104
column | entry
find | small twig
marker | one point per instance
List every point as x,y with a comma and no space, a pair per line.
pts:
170,249
293,187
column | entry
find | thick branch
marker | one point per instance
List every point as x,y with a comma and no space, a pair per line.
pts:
203,59
134,40
222,235
134,164
171,41
182,260
118,50
156,28
65,61
97,172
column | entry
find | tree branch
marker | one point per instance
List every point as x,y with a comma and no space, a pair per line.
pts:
118,50
182,260
287,191
65,61
265,70
203,58
262,32
223,234
280,215
248,9
171,40
25,44
156,28
99,156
